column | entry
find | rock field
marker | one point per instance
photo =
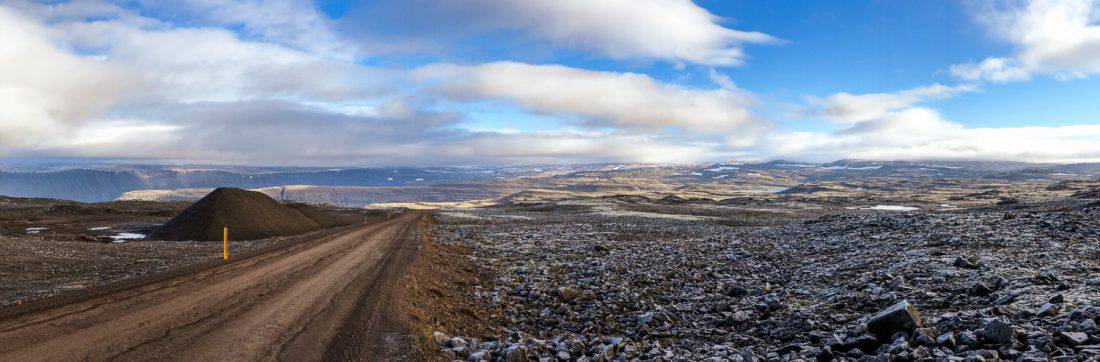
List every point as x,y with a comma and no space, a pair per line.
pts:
584,282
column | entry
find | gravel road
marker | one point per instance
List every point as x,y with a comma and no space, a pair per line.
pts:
325,296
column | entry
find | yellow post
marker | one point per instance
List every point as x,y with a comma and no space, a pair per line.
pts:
225,243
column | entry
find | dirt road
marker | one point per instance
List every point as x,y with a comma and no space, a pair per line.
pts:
326,298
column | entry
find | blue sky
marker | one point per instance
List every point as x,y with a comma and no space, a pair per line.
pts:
350,83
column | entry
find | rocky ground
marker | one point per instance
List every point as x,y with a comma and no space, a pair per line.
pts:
632,279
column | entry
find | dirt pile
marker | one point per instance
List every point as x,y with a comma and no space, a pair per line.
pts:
248,214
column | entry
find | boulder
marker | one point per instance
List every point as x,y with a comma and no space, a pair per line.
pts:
901,317
996,331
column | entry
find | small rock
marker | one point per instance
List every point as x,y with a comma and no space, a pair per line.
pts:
946,340
1057,299
439,337
1074,339
980,290
516,353
1007,298
567,293
1089,325
1047,310
864,342
479,356
960,262
966,338
736,291
455,342
898,283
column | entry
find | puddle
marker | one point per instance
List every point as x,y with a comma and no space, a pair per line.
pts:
761,191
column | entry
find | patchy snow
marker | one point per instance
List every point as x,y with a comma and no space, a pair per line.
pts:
697,174
462,216
513,217
892,208
99,228
36,230
723,168
473,217
607,211
720,177
853,168
123,237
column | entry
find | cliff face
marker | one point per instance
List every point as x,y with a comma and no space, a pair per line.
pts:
342,196
78,185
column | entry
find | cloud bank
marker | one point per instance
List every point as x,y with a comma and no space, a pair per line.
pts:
677,31
277,83
1060,38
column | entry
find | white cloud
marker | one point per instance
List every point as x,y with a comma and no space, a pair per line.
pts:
922,134
297,24
1053,37
140,87
44,89
282,133
850,108
677,31
620,100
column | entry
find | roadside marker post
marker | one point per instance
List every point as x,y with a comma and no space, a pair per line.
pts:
225,243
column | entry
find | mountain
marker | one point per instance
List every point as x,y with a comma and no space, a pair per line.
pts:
355,187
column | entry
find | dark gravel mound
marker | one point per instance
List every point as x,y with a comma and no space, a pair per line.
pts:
322,217
248,214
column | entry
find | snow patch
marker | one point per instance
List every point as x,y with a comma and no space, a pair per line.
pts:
123,237
892,208
606,211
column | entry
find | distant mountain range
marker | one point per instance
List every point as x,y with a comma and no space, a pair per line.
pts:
355,186
108,182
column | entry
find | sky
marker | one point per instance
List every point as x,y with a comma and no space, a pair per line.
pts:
499,82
